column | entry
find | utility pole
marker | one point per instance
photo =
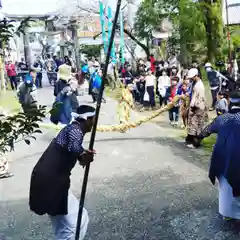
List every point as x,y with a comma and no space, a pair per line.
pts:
228,31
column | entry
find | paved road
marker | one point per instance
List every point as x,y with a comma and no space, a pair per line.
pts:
143,185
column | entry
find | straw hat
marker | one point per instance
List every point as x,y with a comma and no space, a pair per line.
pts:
64,72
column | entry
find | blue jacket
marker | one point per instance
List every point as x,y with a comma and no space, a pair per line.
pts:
97,82
180,91
213,78
63,113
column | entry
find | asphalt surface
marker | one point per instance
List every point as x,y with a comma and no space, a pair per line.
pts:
143,185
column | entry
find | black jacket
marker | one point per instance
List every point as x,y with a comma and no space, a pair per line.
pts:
50,181
59,86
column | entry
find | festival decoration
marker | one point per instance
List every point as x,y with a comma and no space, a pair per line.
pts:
125,105
123,127
102,21
121,38
110,27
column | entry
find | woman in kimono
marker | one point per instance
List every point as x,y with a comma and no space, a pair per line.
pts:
197,110
50,181
225,165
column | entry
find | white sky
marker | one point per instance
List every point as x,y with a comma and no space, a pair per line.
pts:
41,7
233,13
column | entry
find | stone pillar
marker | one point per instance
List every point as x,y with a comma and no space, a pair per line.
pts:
27,51
76,45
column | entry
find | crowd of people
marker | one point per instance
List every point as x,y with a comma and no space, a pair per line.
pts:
153,83
156,83
15,72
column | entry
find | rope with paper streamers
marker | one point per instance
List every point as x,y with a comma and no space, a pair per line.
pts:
126,126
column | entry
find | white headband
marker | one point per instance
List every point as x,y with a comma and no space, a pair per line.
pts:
84,116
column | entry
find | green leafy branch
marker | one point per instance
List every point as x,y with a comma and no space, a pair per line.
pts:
8,30
20,127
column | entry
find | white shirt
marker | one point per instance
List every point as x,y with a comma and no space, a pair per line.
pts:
150,80
110,69
148,64
198,97
164,81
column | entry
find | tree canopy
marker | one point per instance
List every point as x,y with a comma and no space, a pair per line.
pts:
91,50
20,127
197,26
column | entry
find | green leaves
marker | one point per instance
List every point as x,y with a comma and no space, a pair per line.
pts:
20,127
91,50
8,30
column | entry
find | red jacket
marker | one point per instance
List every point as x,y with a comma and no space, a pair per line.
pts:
152,60
173,92
11,70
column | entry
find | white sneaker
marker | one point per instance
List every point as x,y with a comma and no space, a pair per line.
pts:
190,146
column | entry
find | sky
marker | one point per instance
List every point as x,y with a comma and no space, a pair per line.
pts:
41,7
233,13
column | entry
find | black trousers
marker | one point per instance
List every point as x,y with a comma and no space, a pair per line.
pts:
162,100
95,93
150,90
39,80
214,93
141,95
194,140
13,82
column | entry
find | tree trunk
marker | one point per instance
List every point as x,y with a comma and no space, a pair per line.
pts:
2,76
210,44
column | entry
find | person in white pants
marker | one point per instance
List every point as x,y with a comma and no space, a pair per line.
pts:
50,180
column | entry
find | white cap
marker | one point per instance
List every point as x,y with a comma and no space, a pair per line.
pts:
208,65
192,73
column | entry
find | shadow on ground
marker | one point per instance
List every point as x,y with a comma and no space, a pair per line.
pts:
196,156
144,206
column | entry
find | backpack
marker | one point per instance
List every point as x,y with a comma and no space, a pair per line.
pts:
61,109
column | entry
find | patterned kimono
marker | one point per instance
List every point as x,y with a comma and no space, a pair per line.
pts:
197,113
125,104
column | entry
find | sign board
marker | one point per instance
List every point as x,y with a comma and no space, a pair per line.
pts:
89,26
